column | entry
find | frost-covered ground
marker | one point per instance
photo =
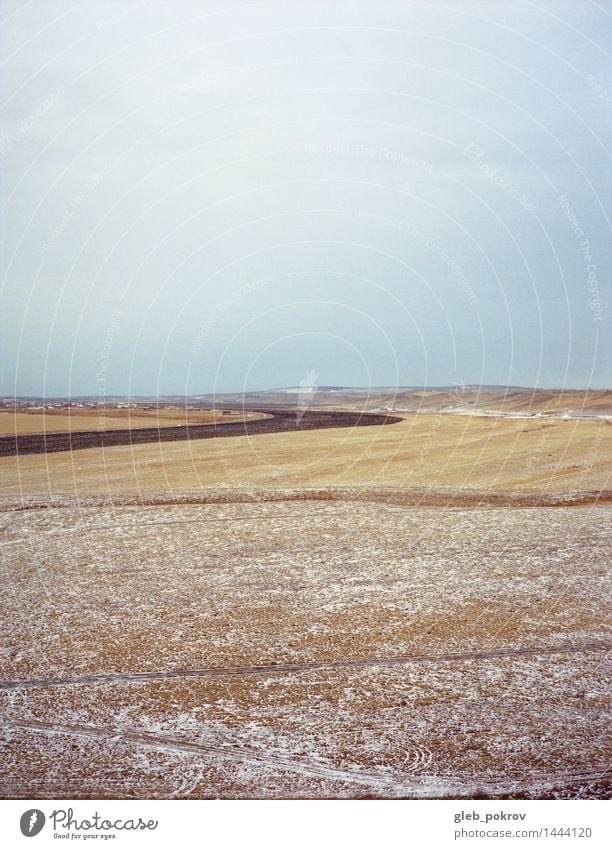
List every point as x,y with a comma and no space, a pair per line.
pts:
303,649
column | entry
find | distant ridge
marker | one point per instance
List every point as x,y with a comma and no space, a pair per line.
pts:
486,387
315,390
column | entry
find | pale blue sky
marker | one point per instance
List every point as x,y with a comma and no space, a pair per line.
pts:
208,196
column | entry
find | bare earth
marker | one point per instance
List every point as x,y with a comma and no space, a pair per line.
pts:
336,613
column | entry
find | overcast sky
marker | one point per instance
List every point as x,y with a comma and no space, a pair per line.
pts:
212,196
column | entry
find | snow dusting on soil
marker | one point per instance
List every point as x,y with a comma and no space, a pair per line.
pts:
328,649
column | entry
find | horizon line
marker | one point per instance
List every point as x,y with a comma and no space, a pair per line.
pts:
326,388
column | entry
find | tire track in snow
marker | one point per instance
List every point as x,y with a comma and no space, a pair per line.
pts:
285,668
247,756
243,756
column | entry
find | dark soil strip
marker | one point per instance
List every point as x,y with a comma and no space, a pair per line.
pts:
278,422
285,668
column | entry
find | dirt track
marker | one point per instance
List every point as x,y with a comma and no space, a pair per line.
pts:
276,423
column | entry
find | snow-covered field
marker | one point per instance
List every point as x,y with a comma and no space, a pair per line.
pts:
311,648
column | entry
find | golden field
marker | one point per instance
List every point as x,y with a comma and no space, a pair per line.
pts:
424,450
59,421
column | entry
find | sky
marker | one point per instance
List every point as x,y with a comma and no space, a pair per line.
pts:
223,196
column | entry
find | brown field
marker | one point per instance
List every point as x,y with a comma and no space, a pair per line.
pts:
335,613
60,421
304,649
438,451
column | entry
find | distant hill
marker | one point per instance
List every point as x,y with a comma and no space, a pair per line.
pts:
464,400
